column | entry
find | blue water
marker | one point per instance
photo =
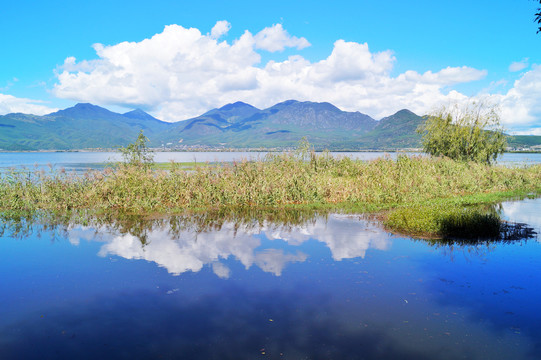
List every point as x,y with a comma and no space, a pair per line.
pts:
83,160
337,287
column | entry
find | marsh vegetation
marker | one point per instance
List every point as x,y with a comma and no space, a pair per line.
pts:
408,189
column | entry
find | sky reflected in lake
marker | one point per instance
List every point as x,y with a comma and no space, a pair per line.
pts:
326,287
270,248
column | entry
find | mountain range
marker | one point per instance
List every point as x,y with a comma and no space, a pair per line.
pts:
236,125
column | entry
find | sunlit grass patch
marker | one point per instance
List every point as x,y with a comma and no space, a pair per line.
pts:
445,221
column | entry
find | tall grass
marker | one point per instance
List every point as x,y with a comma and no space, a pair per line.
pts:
284,180
424,196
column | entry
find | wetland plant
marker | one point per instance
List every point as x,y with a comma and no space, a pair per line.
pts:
421,194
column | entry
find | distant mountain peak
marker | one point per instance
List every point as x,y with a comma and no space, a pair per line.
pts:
324,105
136,111
287,103
87,107
236,105
84,105
237,124
405,112
83,110
139,115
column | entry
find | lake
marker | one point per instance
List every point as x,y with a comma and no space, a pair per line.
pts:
283,287
297,287
80,161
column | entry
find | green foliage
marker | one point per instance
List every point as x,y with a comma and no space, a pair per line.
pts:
445,221
523,140
137,153
465,133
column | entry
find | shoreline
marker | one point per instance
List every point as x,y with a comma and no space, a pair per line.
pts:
239,150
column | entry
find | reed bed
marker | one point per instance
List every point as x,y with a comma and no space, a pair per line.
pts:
302,180
318,180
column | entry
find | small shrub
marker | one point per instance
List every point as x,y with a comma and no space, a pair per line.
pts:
137,153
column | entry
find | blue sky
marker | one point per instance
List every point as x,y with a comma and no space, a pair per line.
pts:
368,56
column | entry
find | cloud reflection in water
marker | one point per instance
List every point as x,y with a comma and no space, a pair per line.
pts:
190,249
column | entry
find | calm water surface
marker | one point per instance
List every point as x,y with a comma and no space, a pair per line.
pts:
334,287
83,160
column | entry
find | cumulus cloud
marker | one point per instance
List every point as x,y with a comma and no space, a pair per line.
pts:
276,38
519,65
180,73
520,106
12,104
221,28
351,62
445,77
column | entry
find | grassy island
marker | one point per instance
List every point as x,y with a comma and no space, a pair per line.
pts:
417,195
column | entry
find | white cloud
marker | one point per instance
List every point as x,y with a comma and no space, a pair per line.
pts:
177,72
221,28
520,106
181,73
12,104
275,38
446,77
530,131
519,65
350,61
9,84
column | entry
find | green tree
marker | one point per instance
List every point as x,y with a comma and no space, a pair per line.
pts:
138,154
471,132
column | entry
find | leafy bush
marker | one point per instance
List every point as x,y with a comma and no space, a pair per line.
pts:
465,133
138,154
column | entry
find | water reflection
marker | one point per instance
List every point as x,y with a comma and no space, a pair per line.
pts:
299,286
269,241
524,211
179,246
236,326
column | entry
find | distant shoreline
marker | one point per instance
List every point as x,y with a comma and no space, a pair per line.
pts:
412,150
